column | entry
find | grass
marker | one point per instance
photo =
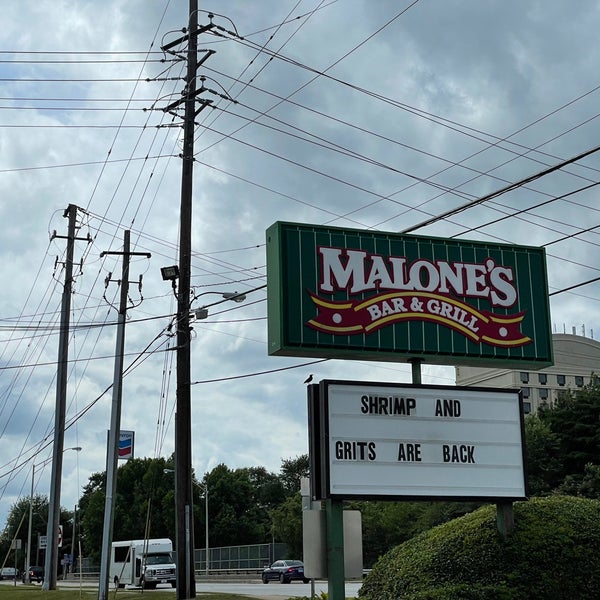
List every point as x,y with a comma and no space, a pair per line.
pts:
24,592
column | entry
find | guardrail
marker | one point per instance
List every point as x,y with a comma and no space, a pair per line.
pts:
76,576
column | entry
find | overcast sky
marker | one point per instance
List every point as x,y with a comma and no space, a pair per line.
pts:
354,113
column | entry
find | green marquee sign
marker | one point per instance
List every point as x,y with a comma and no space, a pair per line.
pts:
357,294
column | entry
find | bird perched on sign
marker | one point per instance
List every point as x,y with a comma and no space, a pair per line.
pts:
308,379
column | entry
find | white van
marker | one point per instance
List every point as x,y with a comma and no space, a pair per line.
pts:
143,563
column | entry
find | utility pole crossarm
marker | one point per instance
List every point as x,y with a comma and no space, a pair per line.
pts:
106,252
193,36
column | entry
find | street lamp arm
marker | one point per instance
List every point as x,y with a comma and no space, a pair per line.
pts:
202,312
235,296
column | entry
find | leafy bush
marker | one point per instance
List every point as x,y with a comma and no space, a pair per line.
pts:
463,592
553,553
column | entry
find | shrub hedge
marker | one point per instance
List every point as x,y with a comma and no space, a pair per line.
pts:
554,553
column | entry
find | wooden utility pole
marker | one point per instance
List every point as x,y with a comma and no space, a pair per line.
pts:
184,513
112,452
184,517
51,562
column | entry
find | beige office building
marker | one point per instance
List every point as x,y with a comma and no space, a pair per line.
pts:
576,358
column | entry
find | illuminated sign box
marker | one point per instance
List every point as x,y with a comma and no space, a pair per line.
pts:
387,441
369,295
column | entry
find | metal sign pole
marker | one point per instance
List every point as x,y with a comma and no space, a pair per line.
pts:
336,588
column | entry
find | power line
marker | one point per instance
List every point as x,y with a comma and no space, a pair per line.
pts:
504,190
257,373
88,163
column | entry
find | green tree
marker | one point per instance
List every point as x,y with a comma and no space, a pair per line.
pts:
385,524
229,494
286,518
91,515
270,490
544,466
240,501
244,504
575,420
292,470
17,527
144,504
287,525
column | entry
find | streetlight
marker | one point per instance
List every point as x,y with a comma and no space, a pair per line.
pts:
202,312
28,555
203,487
76,548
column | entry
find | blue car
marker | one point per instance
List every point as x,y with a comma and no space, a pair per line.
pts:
284,571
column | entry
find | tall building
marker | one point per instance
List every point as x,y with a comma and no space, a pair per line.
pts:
576,359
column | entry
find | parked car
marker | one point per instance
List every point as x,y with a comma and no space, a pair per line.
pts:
284,571
35,574
8,573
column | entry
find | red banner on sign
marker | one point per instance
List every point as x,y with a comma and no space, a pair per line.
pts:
353,317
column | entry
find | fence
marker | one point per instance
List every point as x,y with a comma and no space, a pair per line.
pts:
231,559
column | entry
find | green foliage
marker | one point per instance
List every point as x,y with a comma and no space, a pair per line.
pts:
586,485
17,526
144,504
321,596
551,554
387,524
430,514
464,592
574,421
240,504
240,501
544,465
292,470
287,525
284,513
230,516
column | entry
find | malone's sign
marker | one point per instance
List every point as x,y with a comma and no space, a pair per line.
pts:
417,290
354,294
